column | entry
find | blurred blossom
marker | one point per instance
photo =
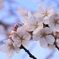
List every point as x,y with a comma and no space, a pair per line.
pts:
9,30
9,48
1,1
2,5
23,11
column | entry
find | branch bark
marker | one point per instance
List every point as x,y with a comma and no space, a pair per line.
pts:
22,47
56,45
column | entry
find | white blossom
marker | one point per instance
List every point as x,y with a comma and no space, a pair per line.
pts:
32,23
21,37
9,48
45,12
27,19
54,22
44,37
30,19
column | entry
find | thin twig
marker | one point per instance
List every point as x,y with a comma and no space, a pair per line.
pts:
56,45
22,47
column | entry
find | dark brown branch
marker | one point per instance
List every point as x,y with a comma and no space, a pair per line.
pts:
45,25
56,45
22,47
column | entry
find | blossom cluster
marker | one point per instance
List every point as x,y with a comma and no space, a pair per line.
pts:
41,26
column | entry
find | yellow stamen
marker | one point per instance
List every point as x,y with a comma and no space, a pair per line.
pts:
36,25
26,21
43,35
11,46
45,14
55,22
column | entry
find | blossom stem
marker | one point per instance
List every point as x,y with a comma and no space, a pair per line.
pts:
22,47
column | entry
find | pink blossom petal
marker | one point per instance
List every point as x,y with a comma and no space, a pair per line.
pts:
50,39
43,42
42,8
17,50
10,54
25,43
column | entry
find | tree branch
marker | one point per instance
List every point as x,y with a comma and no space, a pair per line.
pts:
22,47
56,45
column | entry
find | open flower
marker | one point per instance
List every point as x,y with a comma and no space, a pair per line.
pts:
45,12
21,37
32,23
9,48
44,37
54,22
27,19
34,26
30,19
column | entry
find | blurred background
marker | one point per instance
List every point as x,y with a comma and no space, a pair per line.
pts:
10,11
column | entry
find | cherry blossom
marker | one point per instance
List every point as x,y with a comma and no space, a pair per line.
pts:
27,19
21,37
54,22
32,23
30,19
44,37
9,48
45,12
